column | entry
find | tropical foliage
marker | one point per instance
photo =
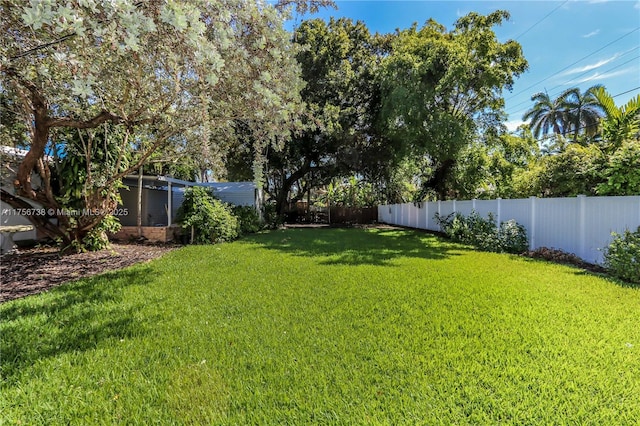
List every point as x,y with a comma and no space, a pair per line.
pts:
570,114
95,91
619,124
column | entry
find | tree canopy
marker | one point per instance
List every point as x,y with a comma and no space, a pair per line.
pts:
338,61
166,73
442,87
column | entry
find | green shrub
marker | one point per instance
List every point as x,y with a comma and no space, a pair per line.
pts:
512,237
205,218
622,256
97,238
248,219
483,234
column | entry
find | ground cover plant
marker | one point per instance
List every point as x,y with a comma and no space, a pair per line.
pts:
326,326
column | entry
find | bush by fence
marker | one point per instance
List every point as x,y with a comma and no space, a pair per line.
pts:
580,225
622,257
485,233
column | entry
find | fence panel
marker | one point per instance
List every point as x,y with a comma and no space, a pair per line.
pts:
484,207
412,215
341,214
445,208
385,213
580,225
465,207
556,224
518,210
604,215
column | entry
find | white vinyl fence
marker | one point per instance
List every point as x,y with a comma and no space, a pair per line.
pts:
580,225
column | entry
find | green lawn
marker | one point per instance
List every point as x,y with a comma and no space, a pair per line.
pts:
326,326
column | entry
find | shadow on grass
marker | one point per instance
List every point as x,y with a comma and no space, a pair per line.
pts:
604,275
70,318
354,246
581,270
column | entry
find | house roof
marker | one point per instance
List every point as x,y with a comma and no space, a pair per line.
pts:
162,181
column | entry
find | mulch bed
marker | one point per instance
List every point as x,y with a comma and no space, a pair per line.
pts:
34,270
559,256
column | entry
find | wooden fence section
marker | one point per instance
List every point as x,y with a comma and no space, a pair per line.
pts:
354,215
580,225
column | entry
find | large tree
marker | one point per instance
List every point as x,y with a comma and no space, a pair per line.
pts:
338,61
443,87
163,72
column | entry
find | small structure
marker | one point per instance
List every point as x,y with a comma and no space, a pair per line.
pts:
7,244
150,204
15,226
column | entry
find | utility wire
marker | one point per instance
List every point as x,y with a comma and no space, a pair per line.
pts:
556,94
624,93
539,21
574,63
587,72
584,73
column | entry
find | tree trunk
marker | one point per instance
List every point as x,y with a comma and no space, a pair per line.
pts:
438,181
41,222
281,198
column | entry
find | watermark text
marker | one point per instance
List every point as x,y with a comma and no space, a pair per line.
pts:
64,212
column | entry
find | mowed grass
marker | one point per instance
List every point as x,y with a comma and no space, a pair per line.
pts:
326,326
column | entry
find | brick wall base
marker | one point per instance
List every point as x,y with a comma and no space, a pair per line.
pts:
160,234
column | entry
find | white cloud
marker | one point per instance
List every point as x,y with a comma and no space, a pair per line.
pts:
598,76
591,66
591,34
513,125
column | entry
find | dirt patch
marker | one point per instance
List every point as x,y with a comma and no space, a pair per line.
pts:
34,270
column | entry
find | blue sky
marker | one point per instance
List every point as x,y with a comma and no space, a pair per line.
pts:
573,43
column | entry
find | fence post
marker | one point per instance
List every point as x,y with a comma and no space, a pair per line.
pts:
426,215
454,207
582,225
532,223
499,211
473,205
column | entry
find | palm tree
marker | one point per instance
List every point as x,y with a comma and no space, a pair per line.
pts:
583,110
547,115
618,123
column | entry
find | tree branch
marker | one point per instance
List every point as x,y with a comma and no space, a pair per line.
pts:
92,123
